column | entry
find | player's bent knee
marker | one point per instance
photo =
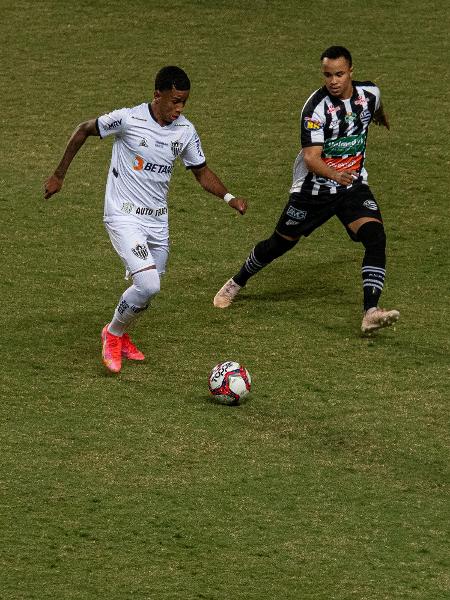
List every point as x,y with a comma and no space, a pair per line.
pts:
372,235
147,284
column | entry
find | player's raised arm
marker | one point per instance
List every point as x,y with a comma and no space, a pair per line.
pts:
55,182
212,184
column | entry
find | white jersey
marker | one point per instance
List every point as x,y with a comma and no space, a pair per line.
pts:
143,156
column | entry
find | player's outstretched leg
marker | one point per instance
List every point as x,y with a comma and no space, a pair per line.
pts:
373,270
262,254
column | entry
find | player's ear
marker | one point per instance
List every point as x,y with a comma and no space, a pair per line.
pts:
157,95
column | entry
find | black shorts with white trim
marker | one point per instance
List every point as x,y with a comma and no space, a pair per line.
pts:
304,213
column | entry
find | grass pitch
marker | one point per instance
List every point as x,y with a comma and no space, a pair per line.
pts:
331,482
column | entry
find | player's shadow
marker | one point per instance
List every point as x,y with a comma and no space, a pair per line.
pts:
317,281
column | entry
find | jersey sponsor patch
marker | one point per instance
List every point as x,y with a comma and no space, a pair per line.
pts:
349,163
312,124
350,145
127,208
296,213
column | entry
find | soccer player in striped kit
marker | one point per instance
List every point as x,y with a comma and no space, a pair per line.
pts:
330,179
148,138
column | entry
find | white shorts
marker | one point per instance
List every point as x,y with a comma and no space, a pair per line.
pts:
137,246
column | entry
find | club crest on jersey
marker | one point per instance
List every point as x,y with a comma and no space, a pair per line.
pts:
176,148
312,124
140,251
296,213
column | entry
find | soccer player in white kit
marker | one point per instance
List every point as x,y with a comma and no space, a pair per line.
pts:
148,139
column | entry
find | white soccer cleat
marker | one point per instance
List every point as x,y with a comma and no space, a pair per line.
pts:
226,294
376,318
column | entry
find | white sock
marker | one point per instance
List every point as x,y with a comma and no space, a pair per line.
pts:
134,300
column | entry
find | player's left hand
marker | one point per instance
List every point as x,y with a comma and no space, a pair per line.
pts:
380,118
238,204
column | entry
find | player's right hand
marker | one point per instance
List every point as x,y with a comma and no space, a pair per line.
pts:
346,177
52,186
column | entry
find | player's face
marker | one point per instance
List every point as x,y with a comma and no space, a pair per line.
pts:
169,104
338,77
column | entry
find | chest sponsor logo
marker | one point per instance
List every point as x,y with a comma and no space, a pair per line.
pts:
350,145
370,204
365,116
139,164
177,148
296,214
112,125
312,124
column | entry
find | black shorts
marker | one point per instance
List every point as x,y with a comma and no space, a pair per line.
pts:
304,213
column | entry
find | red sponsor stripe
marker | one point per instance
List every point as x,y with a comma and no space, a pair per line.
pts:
351,163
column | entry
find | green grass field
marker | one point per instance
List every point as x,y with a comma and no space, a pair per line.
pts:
332,481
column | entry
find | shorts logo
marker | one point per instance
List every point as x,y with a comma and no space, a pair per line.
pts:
140,251
127,208
370,204
176,148
365,116
291,222
296,214
312,124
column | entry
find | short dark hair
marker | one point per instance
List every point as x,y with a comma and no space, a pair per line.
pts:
337,52
172,77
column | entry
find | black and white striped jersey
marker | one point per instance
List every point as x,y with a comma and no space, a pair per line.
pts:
340,127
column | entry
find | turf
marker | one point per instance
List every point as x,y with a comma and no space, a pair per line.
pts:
331,482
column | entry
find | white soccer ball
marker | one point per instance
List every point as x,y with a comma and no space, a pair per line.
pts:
229,382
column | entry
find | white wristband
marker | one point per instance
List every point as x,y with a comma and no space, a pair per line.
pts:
228,197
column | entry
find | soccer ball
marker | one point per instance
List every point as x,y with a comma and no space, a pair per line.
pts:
229,382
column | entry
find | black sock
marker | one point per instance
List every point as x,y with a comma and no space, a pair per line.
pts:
263,254
373,269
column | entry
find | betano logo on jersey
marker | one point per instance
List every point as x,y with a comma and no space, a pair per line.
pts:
139,164
350,145
312,124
